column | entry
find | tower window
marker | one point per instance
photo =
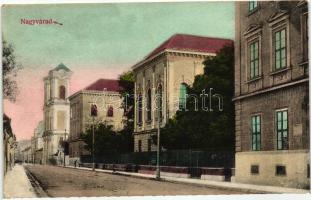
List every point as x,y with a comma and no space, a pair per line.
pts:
62,92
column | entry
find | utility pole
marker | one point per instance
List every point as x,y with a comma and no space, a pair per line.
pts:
93,144
93,115
158,140
64,149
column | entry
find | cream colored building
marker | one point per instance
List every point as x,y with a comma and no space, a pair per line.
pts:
104,93
56,112
168,68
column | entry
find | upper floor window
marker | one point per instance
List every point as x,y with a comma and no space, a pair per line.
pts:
252,5
62,92
182,96
149,104
282,129
140,108
160,106
254,59
280,49
256,132
110,111
305,36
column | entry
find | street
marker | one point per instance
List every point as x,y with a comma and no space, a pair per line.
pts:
65,182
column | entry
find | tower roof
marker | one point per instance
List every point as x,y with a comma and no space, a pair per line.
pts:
61,66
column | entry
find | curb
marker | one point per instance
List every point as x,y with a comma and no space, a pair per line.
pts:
179,181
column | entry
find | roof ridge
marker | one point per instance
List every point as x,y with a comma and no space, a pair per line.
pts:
210,37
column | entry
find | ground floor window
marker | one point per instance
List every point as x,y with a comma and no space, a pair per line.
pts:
282,129
139,145
256,132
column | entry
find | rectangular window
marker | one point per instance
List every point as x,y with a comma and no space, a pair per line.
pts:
254,59
254,169
280,49
280,170
139,145
149,144
305,37
282,130
252,5
256,132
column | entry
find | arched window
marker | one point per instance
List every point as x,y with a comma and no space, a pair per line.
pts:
160,101
62,92
149,104
110,111
140,108
182,96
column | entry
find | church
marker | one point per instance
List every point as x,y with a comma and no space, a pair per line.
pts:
56,113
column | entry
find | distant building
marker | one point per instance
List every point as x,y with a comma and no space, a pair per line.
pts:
271,93
27,155
164,73
56,113
9,144
105,95
37,143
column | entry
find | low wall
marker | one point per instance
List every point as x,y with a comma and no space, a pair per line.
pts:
172,171
295,163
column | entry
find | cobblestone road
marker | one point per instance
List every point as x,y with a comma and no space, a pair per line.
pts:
65,182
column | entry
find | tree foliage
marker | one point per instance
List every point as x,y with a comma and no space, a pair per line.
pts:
9,69
201,129
107,141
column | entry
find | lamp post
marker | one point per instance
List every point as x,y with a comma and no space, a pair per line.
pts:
93,115
158,141
64,163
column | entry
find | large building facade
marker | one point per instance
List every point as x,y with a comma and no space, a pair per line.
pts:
161,79
271,93
56,113
105,95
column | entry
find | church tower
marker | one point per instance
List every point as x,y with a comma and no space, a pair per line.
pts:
56,112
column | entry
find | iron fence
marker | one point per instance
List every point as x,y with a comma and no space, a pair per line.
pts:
186,158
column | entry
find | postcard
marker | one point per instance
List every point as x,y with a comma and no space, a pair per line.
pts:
155,99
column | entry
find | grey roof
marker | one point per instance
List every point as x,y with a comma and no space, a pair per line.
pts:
61,66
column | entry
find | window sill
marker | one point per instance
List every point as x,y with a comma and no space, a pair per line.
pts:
304,63
254,79
279,71
250,12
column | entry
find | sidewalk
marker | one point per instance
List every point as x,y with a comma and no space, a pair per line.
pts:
213,184
17,185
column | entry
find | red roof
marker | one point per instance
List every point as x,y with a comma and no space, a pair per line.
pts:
194,43
105,85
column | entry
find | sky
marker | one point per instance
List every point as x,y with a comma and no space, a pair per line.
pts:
95,41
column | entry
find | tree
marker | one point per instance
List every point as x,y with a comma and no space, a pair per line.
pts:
10,68
126,81
105,139
201,129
